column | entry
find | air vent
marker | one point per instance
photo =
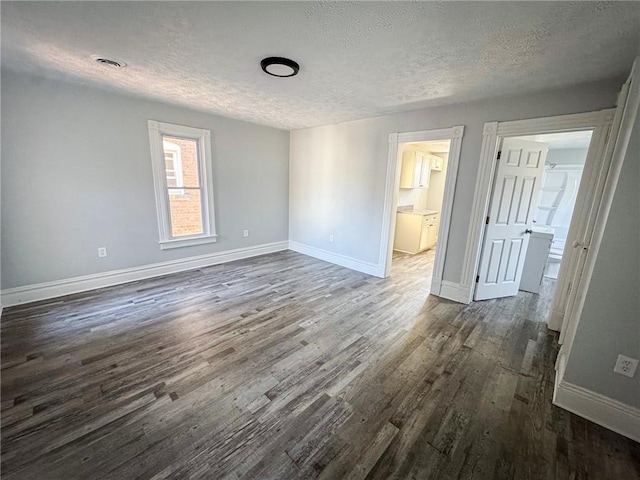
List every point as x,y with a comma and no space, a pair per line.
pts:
108,61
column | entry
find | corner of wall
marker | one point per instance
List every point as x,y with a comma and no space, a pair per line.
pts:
606,412
373,269
455,292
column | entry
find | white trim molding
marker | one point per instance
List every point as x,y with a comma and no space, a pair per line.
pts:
187,242
373,269
607,412
486,170
163,191
453,291
394,165
67,286
616,151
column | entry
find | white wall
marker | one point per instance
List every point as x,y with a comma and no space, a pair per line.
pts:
435,197
424,198
337,172
567,156
76,175
411,196
567,171
610,321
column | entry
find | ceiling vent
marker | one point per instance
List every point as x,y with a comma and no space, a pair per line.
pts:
108,61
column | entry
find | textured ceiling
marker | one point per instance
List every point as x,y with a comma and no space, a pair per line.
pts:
357,59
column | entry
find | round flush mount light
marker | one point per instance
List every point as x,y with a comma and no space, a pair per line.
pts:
279,67
108,61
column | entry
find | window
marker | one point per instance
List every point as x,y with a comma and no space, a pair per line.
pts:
173,166
181,159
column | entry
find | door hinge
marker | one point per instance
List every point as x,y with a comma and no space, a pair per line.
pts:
487,221
499,154
477,278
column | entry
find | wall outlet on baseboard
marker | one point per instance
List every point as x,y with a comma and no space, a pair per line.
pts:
102,252
245,233
331,238
626,366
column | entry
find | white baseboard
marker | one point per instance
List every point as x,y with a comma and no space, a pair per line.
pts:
436,286
454,291
57,288
561,364
344,261
555,320
612,414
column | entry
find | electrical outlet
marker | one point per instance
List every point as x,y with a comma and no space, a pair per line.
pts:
626,366
102,252
245,233
331,238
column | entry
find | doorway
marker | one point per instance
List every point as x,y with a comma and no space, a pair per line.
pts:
536,185
425,143
588,201
559,190
423,174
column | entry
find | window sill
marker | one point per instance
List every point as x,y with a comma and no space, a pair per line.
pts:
187,242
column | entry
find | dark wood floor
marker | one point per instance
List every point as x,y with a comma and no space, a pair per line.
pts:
286,367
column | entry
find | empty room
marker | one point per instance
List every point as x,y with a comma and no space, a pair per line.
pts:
310,239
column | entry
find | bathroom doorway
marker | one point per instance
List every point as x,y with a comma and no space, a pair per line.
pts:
534,194
558,191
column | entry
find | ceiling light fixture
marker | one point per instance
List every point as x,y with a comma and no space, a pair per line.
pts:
279,67
107,61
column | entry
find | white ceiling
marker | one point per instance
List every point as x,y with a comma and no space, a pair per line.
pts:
357,59
433,146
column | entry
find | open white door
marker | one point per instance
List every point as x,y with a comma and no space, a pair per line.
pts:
513,201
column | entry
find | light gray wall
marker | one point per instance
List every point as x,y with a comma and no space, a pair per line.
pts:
337,172
567,156
610,322
76,175
1,125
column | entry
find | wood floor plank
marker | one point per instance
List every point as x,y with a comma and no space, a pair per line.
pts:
286,367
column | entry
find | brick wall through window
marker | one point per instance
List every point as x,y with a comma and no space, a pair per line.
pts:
185,204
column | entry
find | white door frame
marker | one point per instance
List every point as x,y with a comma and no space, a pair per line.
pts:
589,195
616,150
394,165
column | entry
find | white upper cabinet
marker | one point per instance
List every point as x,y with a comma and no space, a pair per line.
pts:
416,170
436,163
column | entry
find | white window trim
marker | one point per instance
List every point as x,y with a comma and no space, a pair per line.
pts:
156,131
177,165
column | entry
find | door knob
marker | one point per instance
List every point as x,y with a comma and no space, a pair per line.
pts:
528,231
